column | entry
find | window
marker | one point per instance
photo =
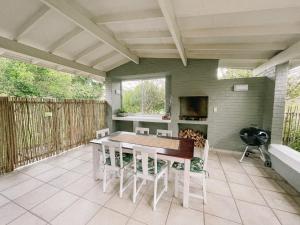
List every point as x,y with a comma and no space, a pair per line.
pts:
228,73
144,96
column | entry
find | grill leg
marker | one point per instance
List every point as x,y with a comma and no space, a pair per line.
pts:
246,149
262,154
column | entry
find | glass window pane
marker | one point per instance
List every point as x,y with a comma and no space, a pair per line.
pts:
154,96
132,96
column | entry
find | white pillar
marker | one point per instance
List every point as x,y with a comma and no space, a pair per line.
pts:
280,91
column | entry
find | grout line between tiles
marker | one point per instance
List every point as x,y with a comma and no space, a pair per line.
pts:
231,191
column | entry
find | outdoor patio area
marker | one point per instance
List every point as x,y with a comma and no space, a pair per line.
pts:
61,190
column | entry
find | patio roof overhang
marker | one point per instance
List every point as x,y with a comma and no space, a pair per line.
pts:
91,37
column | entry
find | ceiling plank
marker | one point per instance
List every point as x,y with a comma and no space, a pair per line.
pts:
115,65
242,31
103,58
19,48
143,34
64,39
129,17
168,12
2,51
85,23
238,46
28,24
240,64
229,56
290,53
87,51
151,46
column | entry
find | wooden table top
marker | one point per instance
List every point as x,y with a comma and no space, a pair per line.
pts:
186,146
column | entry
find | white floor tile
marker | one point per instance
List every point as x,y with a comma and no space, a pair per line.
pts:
288,218
134,222
28,219
214,220
51,174
266,184
3,200
108,217
253,214
81,186
72,164
22,188
65,179
10,212
84,168
11,179
239,178
222,206
77,214
249,194
281,201
182,216
53,206
36,196
35,169
145,213
218,187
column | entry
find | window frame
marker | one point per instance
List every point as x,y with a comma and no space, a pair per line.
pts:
142,94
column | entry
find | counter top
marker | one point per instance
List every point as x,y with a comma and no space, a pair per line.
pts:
154,119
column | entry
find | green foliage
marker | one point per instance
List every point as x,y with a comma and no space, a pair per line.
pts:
293,87
148,97
237,73
25,80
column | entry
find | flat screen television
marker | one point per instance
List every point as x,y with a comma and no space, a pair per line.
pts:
193,107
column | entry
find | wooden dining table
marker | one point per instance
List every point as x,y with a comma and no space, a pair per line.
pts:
183,154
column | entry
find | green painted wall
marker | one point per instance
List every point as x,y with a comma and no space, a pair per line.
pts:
235,110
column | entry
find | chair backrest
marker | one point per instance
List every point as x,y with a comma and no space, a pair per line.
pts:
102,133
205,154
164,133
112,148
145,153
142,130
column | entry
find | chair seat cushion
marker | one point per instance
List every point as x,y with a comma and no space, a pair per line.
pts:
127,158
196,165
160,165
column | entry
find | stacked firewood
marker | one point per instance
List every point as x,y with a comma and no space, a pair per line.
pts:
197,136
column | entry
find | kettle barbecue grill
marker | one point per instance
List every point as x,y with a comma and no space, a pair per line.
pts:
254,137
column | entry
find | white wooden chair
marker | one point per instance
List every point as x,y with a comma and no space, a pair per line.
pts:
164,133
198,170
148,168
115,161
102,133
142,130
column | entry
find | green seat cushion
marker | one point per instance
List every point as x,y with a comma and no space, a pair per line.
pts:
196,165
160,164
127,158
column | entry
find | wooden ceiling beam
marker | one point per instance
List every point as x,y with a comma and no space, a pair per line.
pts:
14,46
170,17
85,23
290,53
129,17
87,51
65,39
28,24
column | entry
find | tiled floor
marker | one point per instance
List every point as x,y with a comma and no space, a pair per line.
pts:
61,190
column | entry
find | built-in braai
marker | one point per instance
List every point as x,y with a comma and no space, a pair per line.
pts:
193,107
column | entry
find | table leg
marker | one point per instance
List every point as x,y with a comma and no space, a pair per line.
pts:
96,161
186,183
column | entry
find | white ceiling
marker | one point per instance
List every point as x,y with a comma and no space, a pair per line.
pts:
241,33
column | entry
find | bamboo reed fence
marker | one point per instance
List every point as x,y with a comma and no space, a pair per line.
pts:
32,128
291,131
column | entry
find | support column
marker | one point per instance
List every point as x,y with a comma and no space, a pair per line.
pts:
280,91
